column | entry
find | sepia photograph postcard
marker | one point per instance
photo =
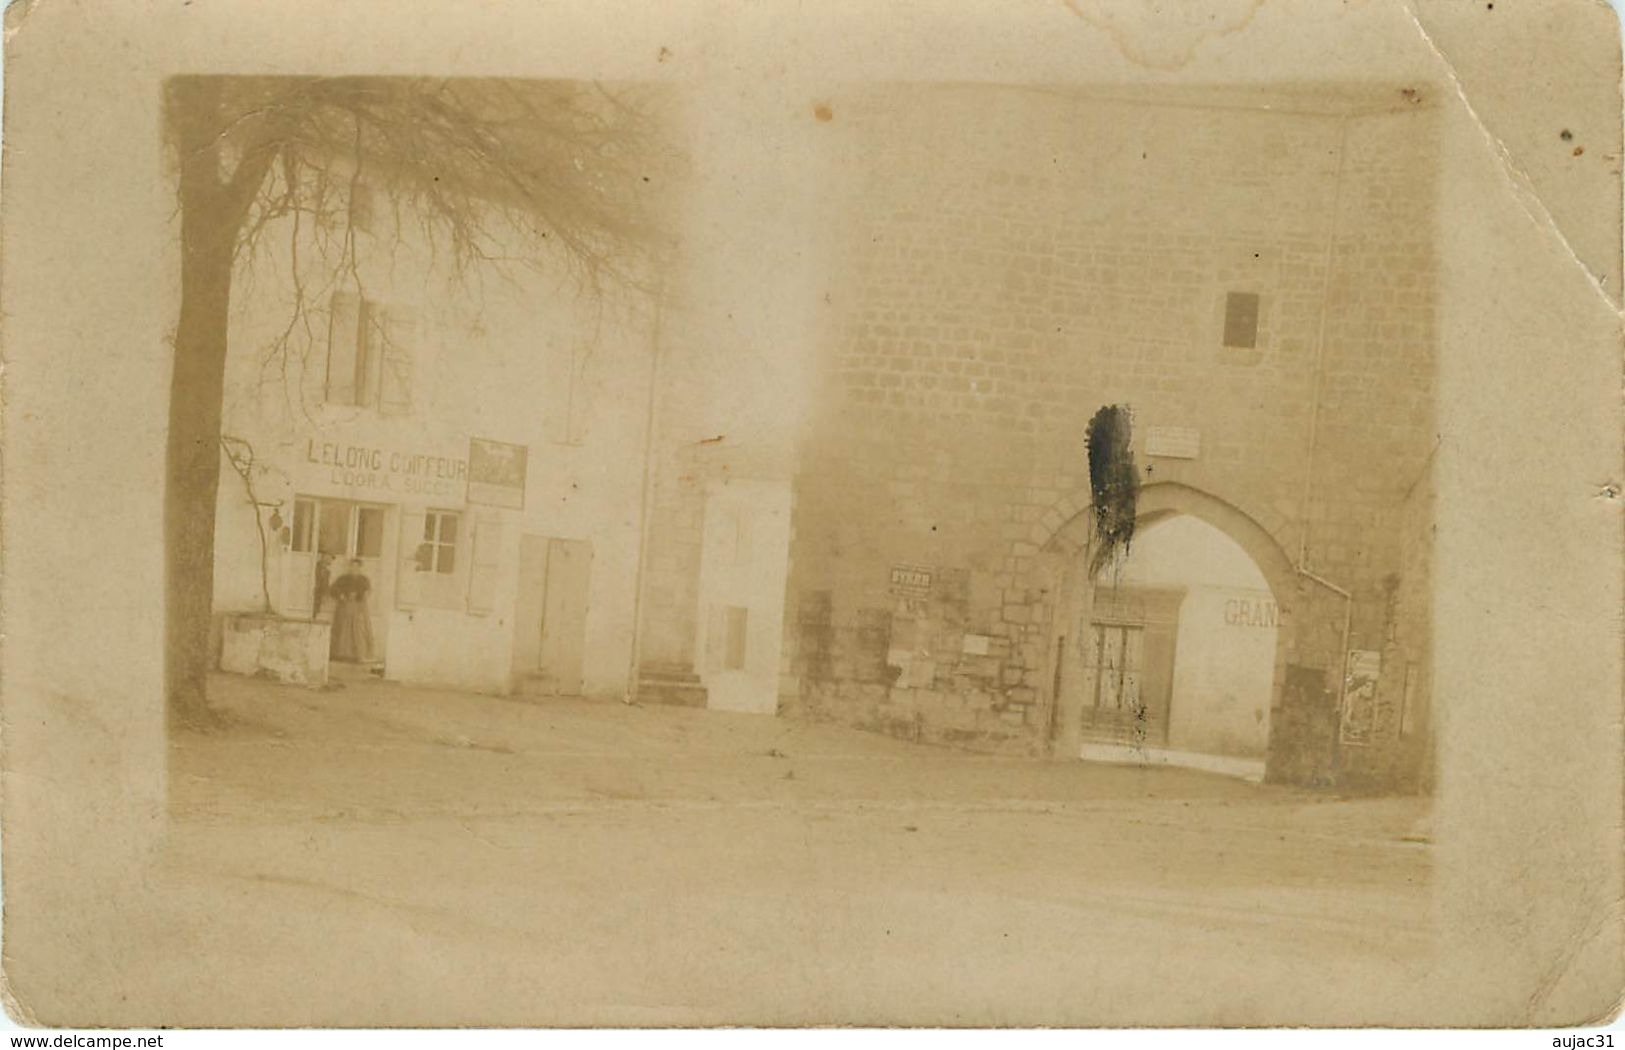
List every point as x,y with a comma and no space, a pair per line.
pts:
607,513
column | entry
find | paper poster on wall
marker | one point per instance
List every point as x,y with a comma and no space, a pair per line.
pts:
911,581
1359,722
496,473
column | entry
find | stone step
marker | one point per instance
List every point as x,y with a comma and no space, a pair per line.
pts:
671,695
1124,733
672,684
542,686
668,672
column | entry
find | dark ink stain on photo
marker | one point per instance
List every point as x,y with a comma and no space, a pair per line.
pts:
1114,484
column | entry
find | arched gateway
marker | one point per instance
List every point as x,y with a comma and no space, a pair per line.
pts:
1095,624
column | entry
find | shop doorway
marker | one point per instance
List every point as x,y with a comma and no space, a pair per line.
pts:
551,630
341,530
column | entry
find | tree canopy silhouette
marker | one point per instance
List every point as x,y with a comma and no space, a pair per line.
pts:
485,172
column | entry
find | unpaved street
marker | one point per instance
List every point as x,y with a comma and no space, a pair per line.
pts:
571,862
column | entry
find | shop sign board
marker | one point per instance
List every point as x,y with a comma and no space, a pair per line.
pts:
496,473
382,473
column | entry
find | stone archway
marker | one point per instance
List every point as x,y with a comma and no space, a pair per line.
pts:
1063,535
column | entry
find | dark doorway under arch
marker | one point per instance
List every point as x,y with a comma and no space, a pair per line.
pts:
1098,620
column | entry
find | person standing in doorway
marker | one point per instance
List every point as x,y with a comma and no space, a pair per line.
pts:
324,576
352,623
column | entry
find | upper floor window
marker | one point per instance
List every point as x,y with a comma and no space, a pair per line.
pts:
1241,320
369,355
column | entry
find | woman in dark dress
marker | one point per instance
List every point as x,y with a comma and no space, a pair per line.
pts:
352,624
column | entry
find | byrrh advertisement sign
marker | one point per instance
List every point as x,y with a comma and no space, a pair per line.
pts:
496,473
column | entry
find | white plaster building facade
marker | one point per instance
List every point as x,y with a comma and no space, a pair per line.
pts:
475,438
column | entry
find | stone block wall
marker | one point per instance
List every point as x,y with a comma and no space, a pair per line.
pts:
1012,261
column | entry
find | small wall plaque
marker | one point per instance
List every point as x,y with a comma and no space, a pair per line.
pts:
1173,442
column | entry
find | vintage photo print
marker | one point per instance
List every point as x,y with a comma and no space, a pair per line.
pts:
1069,514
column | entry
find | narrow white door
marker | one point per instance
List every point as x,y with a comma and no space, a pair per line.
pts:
742,581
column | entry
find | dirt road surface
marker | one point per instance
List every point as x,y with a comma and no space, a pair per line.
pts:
379,855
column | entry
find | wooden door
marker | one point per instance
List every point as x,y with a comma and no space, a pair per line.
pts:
742,583
563,640
1113,706
1126,665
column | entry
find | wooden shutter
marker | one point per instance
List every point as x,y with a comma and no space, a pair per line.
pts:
483,562
369,354
397,338
344,327
297,562
297,569
408,581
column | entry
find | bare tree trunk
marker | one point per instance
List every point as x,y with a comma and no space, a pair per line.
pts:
193,460
211,214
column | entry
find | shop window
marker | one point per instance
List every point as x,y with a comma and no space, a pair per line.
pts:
1241,320
333,528
369,355
438,551
369,532
434,567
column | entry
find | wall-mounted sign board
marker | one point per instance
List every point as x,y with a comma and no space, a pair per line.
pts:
911,581
1173,442
496,473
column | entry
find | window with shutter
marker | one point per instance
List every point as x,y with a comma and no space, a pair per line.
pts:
399,332
433,561
343,348
369,353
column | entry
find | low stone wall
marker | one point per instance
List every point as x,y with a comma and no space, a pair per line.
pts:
291,651
972,722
